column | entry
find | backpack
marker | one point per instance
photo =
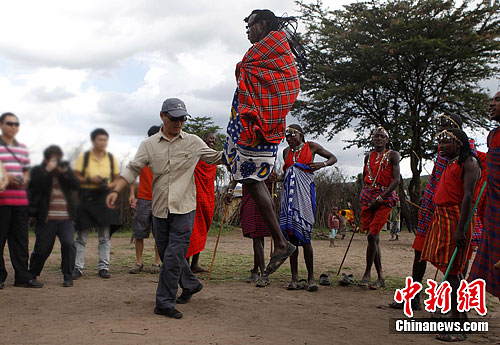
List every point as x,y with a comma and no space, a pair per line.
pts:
86,156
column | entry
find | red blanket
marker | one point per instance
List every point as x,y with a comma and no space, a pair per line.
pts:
268,86
204,176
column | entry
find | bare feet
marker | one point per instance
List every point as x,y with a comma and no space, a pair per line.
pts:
278,258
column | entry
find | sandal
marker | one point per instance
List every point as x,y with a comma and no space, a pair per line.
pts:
312,287
302,284
263,281
136,269
253,277
451,337
364,283
155,269
347,279
324,280
278,259
292,286
377,285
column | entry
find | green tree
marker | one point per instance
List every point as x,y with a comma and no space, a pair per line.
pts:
201,125
397,64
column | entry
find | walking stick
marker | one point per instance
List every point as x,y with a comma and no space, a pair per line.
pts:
217,243
413,204
465,230
348,246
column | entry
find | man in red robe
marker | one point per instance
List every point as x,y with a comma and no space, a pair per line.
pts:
204,177
378,197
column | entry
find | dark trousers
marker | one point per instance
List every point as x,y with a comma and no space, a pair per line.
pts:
172,237
45,238
14,229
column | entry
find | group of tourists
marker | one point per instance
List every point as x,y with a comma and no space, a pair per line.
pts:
176,173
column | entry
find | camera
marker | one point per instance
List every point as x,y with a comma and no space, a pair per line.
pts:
103,184
63,164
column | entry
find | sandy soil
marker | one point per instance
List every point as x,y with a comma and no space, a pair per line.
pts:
227,311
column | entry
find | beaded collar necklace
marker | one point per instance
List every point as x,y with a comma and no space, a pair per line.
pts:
380,158
295,150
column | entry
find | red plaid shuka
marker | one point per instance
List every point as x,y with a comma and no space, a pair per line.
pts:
488,252
268,86
204,177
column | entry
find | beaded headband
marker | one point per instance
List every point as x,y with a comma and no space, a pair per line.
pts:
383,130
449,118
290,129
447,135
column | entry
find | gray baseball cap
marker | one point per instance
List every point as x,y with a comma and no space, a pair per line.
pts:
175,107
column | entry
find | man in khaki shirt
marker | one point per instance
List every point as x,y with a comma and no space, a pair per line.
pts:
172,156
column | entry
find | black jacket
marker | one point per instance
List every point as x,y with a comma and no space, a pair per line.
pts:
40,190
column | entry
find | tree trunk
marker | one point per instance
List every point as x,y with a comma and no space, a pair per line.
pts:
414,188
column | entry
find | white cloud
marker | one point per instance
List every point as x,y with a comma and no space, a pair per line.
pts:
56,56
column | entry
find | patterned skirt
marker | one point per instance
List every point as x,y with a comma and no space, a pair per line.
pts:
254,162
439,243
298,203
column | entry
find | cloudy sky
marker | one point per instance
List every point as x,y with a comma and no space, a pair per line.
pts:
68,67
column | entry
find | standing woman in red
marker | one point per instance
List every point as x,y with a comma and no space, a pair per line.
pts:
378,197
298,198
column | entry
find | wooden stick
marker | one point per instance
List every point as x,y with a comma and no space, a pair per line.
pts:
421,163
420,208
217,243
348,246
436,275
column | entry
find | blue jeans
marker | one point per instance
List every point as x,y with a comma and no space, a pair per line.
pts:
103,248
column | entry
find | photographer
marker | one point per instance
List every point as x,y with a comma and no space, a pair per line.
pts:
98,172
51,204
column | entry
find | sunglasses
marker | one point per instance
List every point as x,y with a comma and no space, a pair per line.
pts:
12,124
176,119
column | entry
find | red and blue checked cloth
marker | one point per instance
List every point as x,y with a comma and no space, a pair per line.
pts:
252,223
204,177
427,207
370,193
268,86
488,252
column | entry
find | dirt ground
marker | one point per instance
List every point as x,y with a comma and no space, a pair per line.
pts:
226,311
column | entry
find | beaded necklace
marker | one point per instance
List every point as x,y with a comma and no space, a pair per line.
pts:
377,160
295,150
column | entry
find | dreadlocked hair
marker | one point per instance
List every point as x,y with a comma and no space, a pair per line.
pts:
286,24
465,150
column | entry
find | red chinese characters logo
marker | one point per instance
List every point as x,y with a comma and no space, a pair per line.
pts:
439,296
469,296
472,296
407,294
